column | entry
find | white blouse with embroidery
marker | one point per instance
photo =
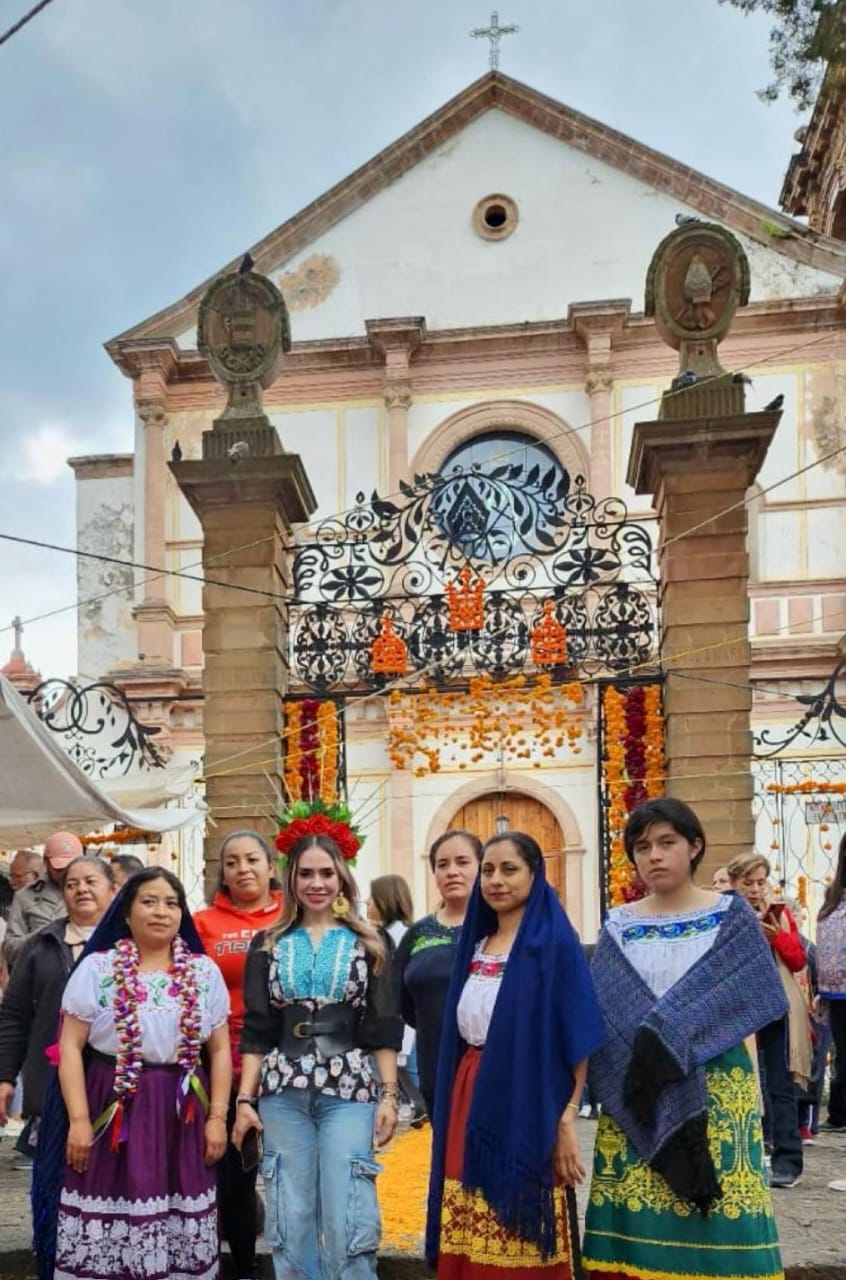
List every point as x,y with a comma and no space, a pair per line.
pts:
476,1004
90,992
663,948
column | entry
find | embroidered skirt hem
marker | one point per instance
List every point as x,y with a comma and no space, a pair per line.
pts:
636,1228
147,1211
474,1243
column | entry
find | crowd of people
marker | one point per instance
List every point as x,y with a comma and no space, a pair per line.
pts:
161,1061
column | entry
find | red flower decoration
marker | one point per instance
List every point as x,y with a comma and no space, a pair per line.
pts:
319,825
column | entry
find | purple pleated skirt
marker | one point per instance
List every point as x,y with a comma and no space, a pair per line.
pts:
147,1211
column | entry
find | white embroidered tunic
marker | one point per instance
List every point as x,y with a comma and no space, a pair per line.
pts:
476,1005
90,995
663,948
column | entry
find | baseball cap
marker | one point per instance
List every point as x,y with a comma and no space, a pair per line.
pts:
61,848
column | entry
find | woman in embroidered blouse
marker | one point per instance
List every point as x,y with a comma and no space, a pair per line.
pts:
319,1001
146,1120
521,1020
426,954
684,978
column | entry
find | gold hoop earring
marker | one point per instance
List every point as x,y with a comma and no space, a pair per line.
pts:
340,907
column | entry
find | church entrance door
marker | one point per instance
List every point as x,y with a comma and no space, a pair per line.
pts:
524,813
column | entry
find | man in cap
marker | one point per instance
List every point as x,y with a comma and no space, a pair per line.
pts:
40,903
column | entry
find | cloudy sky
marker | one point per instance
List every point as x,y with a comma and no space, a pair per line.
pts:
146,142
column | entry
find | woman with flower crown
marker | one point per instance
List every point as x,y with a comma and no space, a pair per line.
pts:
319,1001
145,1120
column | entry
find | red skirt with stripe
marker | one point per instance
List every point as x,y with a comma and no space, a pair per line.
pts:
474,1243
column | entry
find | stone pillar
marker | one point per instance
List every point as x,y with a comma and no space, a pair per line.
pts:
247,493
153,615
397,341
597,324
245,634
695,475
698,461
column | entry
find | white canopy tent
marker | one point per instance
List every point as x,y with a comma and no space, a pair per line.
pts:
42,790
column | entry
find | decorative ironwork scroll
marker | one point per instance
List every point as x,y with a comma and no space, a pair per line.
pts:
530,534
824,721
97,728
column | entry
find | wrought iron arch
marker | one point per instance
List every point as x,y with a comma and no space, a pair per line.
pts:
398,555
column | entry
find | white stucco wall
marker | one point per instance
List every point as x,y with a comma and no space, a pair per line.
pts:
586,230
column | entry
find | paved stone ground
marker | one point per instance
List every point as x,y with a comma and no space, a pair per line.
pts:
811,1219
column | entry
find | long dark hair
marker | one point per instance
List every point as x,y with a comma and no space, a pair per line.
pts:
834,892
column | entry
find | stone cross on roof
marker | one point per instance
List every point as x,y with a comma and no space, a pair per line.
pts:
494,33
17,627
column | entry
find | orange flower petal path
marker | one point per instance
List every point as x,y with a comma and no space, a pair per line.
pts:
403,1187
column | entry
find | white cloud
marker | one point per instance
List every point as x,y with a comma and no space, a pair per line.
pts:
41,457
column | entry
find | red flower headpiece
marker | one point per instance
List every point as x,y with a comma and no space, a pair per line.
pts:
307,818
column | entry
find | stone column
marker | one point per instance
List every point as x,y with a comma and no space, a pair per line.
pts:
397,341
698,461
695,474
597,324
154,616
245,635
247,493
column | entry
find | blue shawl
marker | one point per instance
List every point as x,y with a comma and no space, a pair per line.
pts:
49,1166
650,1073
546,1020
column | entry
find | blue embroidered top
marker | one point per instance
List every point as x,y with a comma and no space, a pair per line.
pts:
337,970
663,948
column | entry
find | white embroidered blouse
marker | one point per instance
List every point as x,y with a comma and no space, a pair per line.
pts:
663,948
477,1001
90,992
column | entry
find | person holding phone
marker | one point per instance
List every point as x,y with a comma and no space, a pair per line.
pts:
784,1046
319,1000
247,900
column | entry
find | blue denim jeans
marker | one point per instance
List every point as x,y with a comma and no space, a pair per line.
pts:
319,1175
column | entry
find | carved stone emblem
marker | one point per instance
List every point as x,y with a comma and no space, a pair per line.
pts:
698,277
243,330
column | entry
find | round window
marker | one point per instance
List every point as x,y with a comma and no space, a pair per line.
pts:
495,217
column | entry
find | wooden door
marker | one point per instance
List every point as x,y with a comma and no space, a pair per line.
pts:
524,813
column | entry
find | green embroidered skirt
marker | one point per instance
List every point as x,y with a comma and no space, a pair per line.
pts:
637,1228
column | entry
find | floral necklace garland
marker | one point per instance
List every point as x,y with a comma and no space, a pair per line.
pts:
129,993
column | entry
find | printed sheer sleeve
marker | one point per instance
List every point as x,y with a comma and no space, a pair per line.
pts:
80,996
261,1025
218,996
382,1026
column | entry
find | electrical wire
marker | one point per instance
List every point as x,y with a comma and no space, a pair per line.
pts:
160,572
21,22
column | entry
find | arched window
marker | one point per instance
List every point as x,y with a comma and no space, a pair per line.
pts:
496,495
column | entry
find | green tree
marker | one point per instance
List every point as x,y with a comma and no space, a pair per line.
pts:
806,36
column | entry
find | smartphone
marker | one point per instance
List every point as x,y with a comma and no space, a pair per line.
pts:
251,1150
774,912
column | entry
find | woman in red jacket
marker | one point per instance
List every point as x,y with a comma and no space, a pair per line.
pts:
784,1046
247,901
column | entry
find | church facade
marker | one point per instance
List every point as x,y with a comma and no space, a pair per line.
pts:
470,346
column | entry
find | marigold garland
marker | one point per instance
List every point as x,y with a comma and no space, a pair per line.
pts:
311,765
128,835
632,771
513,718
